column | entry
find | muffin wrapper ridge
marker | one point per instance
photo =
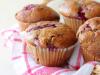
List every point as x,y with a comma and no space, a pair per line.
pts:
48,57
73,23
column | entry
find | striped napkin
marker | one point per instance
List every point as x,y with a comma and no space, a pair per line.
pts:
25,65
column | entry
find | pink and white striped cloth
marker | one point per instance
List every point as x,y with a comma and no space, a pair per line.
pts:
25,65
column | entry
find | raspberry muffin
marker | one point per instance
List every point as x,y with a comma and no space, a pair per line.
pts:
96,70
34,13
76,12
51,43
89,38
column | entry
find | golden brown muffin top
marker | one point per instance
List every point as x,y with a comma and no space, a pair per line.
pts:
80,9
89,36
91,26
96,70
50,34
35,12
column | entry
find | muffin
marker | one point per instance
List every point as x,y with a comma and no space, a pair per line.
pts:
89,38
96,70
76,12
50,43
34,13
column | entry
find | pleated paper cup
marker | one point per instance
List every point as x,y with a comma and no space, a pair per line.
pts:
73,23
47,57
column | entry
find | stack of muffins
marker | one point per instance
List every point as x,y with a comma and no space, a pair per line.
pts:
50,42
83,17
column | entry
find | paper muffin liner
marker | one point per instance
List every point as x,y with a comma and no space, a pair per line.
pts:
73,23
45,2
89,56
46,57
23,25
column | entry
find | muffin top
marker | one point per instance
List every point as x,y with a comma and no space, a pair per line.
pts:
96,70
35,12
89,35
50,34
91,26
80,10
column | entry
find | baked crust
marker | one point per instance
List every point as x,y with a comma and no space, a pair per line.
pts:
35,12
80,10
50,35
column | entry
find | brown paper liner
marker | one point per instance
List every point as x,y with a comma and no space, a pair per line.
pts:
88,56
48,57
73,23
23,25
